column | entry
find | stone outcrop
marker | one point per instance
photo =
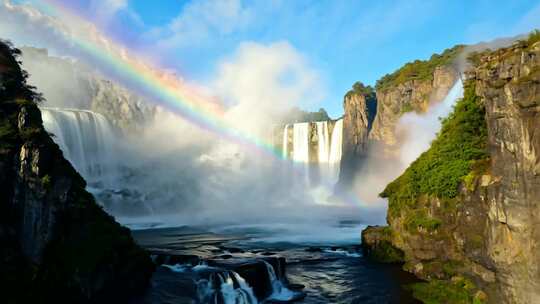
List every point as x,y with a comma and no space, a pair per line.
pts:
72,84
508,81
356,125
413,95
56,242
488,232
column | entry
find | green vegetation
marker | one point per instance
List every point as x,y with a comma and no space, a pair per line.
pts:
385,252
406,108
46,181
533,37
369,94
419,219
458,291
439,171
7,132
297,115
360,89
419,69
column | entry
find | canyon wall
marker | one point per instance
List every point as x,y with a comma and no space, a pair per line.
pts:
360,107
371,115
466,213
56,242
66,83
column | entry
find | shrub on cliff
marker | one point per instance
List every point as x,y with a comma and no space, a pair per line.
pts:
452,155
419,69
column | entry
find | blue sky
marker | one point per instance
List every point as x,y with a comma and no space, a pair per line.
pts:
343,41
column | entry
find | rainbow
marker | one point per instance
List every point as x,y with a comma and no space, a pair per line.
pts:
176,96
169,92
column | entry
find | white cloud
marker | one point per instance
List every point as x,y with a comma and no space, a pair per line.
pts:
262,81
199,21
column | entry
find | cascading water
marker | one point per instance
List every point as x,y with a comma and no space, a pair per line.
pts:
300,152
421,128
323,142
86,139
301,142
226,287
285,142
328,149
279,291
334,158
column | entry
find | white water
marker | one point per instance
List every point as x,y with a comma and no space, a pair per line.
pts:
328,148
85,138
334,159
285,142
301,142
279,291
241,295
421,129
323,142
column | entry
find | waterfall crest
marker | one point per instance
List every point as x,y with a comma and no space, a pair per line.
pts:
336,145
85,138
322,154
285,142
301,142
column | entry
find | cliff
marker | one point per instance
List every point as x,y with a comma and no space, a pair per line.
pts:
68,83
56,243
360,107
412,88
465,213
371,115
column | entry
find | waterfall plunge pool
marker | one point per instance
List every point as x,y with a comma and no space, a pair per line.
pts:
265,264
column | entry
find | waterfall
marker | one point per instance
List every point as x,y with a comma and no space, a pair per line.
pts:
301,142
328,149
334,158
421,128
300,152
323,148
285,142
86,139
279,291
226,287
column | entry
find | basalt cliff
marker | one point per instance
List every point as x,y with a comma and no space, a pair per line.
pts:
371,114
56,243
465,216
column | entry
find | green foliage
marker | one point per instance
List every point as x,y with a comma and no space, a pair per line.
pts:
7,132
533,37
407,108
31,133
297,115
439,171
46,181
385,252
360,89
419,69
419,219
457,291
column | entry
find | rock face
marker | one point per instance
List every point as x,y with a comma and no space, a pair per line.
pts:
487,231
509,83
54,238
74,85
356,125
413,95
371,115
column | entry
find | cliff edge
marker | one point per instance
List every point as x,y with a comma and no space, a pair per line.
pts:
56,242
466,212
